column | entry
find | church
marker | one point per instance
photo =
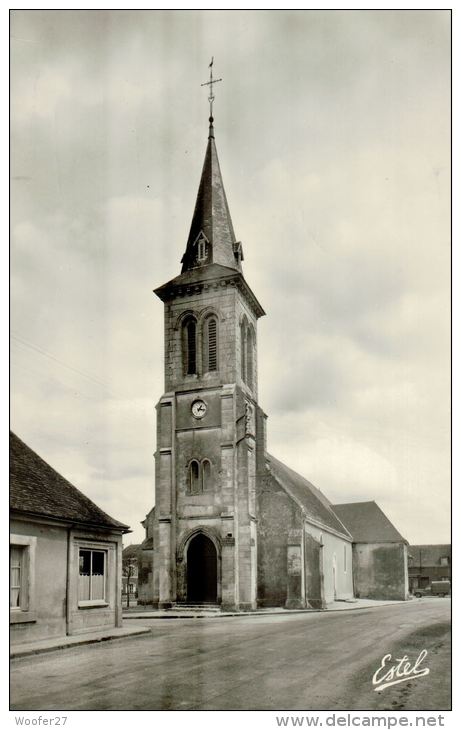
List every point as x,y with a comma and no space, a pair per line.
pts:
232,525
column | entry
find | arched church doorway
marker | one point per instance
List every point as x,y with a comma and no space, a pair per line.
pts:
202,570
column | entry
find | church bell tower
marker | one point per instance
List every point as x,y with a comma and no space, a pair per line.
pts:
209,425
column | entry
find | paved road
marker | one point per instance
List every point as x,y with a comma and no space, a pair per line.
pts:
289,662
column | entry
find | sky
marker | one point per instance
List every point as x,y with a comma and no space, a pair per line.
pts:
333,134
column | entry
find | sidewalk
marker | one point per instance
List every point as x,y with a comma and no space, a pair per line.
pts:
352,605
63,642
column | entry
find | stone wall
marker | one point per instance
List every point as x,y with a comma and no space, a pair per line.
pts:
278,514
380,571
225,437
230,307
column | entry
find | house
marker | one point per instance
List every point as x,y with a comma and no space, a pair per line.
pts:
65,554
427,563
130,563
379,552
146,560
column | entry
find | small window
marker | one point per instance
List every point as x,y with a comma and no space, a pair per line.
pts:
206,475
17,577
201,249
22,578
92,578
445,561
194,481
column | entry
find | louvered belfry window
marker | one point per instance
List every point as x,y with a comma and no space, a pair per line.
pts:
243,349
212,344
249,355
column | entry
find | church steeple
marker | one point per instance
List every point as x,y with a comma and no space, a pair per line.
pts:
211,237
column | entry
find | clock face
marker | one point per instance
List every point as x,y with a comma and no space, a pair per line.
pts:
199,408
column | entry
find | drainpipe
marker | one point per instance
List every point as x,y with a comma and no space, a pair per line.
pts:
68,578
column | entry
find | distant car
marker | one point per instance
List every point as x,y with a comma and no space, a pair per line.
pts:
436,588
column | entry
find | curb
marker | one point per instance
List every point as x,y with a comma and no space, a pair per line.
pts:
18,652
257,614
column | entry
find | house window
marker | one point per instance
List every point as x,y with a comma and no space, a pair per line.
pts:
194,482
17,577
92,575
445,561
190,347
22,578
210,345
206,475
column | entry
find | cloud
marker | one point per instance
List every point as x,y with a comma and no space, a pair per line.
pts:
333,136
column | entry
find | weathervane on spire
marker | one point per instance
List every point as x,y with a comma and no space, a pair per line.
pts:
210,84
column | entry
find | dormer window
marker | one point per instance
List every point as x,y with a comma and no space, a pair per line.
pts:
201,244
238,251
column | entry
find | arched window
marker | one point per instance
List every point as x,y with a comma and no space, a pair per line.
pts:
206,475
189,346
249,355
210,345
243,348
194,478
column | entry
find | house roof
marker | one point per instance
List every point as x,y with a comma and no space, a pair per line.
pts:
428,555
367,522
36,488
131,551
313,501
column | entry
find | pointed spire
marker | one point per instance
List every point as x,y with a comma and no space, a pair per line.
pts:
211,237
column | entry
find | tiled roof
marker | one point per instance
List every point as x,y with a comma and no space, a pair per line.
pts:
131,551
428,555
367,522
314,502
35,487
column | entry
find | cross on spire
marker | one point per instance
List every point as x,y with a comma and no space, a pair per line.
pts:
210,84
